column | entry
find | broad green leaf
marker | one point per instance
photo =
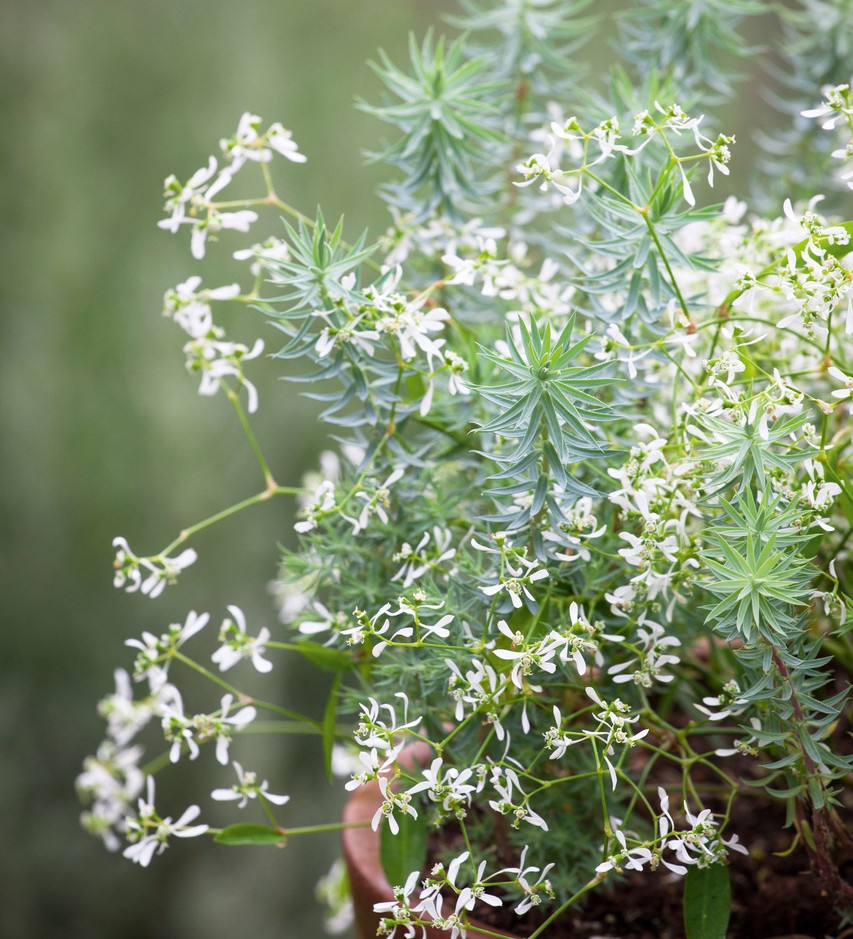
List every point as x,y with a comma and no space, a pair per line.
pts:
404,852
329,718
322,656
707,902
250,834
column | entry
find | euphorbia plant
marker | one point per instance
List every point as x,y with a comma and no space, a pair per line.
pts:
584,529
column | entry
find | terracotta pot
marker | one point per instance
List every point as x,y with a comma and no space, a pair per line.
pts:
361,854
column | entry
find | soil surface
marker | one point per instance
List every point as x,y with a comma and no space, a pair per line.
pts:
773,896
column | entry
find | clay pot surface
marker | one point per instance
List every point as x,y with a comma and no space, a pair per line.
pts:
361,854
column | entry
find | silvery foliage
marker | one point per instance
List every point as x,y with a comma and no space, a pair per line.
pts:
585,525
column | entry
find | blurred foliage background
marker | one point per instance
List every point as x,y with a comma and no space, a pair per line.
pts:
102,432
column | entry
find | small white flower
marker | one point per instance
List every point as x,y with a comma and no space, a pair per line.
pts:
217,360
190,308
247,787
846,380
155,652
192,196
149,834
376,502
321,503
159,570
249,145
392,802
516,586
237,644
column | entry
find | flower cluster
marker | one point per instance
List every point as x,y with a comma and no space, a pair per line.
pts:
193,203
428,908
698,844
115,776
149,575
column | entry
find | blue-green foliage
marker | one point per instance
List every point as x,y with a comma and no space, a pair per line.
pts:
538,41
546,403
448,118
688,38
750,448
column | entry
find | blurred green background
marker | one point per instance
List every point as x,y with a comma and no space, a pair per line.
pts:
102,432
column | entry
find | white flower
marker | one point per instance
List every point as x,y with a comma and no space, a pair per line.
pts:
149,834
190,308
247,787
332,338
237,644
701,844
155,652
556,739
160,569
481,688
241,220
532,887
321,503
178,728
248,144
413,326
727,703
429,553
374,766
528,655
653,658
334,893
217,360
627,354
376,502
167,571
194,195
399,908
373,732
449,787
192,204
847,390
632,858
221,728
516,585
614,728
835,106
182,730
506,783
110,780
392,802
125,717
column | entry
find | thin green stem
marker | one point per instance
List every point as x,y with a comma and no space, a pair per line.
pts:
590,885
241,696
187,533
824,430
672,278
318,829
253,440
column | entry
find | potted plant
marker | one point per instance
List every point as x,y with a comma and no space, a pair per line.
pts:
583,535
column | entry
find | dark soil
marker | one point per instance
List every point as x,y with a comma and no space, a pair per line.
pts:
773,896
